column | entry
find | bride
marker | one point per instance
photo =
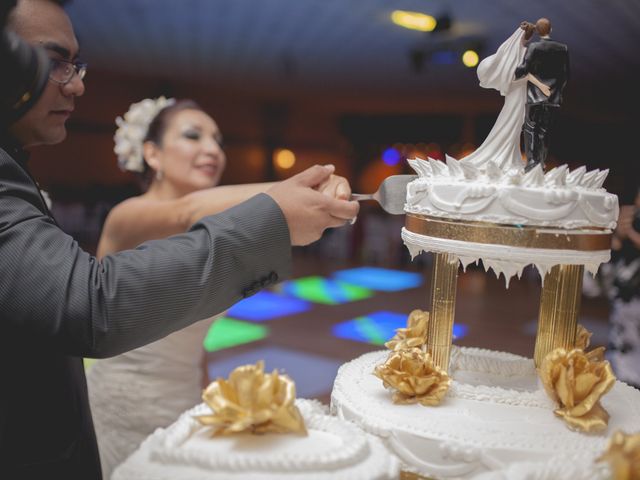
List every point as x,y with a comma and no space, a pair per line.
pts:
177,150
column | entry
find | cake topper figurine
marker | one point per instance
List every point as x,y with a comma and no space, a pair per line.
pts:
546,68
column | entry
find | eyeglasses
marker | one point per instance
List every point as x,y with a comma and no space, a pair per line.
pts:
62,71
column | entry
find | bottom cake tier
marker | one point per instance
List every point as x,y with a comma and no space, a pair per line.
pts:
495,415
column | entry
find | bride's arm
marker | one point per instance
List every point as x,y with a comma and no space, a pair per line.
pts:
140,219
543,88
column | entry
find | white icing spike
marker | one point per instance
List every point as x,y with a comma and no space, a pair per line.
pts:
466,261
414,250
454,167
543,269
421,167
556,176
439,168
493,171
588,178
574,178
534,177
470,172
600,178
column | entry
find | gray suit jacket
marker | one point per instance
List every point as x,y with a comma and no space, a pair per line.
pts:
58,303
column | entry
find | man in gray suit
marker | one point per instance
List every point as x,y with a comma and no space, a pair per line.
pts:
58,303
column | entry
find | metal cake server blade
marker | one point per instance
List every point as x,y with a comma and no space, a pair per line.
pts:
391,194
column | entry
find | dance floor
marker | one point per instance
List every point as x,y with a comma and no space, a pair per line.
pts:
332,312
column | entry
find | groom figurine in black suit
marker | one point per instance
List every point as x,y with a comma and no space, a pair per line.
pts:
546,66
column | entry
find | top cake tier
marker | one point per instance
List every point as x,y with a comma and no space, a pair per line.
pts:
560,198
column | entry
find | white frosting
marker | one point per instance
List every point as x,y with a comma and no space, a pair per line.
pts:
332,449
495,414
579,467
508,261
561,199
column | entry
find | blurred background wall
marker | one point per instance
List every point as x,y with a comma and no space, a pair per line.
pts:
334,82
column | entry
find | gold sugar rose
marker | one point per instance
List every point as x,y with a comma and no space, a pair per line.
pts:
414,335
414,376
623,456
577,381
252,401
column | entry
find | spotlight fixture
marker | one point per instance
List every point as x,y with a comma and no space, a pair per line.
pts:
414,20
443,23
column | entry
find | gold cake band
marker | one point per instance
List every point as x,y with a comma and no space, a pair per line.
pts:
404,475
587,240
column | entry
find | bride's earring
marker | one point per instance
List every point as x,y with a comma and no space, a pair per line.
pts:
159,175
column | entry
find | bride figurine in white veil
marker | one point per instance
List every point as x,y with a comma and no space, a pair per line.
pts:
502,145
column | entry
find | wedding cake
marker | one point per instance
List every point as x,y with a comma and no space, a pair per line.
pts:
252,427
449,412
494,417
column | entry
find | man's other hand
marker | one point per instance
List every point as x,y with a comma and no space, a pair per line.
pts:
312,202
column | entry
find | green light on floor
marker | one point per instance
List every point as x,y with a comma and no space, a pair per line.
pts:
327,291
227,332
369,329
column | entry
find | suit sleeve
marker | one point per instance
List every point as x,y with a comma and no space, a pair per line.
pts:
51,288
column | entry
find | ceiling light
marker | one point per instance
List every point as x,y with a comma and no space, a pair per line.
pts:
414,20
470,58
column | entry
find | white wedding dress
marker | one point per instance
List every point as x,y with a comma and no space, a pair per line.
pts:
502,145
134,393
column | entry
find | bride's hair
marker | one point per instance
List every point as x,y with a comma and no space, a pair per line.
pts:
161,121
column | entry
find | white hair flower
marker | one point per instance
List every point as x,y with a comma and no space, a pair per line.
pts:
133,128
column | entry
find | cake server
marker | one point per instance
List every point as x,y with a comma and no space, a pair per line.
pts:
391,194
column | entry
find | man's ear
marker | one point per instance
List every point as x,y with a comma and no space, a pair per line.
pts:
151,153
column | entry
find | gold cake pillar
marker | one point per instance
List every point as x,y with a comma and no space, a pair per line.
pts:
444,277
559,307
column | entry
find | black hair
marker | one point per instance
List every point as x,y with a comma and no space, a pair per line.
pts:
159,124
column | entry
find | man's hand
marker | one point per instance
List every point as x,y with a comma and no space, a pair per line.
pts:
308,211
336,187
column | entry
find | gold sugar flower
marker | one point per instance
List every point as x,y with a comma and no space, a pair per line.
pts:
577,381
414,376
583,338
252,401
623,456
415,335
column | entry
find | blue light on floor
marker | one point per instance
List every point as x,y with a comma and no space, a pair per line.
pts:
267,305
312,374
382,279
378,327
375,328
